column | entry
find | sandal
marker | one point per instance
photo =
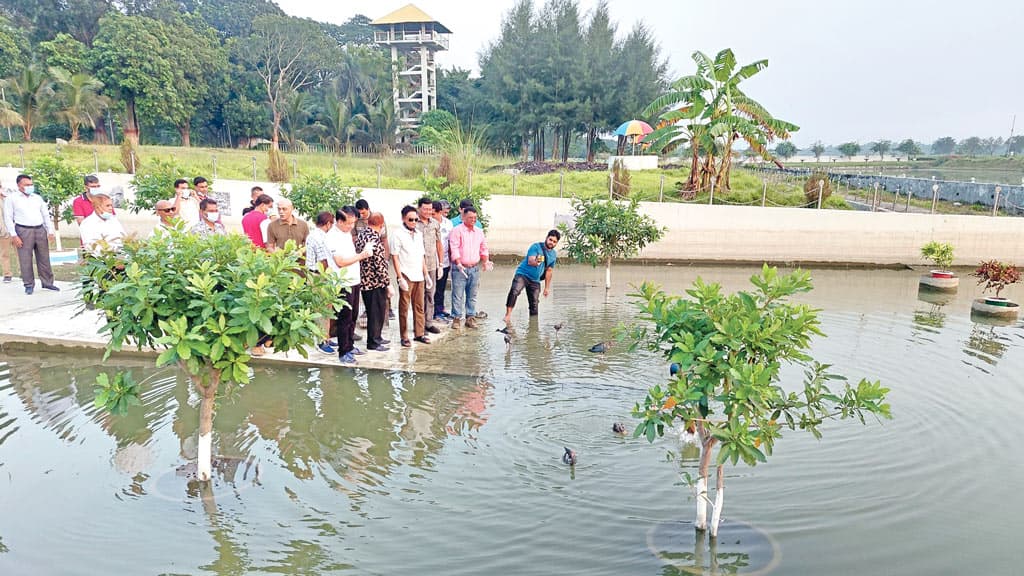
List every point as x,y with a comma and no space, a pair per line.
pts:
257,351
422,339
406,343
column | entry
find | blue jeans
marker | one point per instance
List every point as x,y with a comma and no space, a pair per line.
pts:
464,291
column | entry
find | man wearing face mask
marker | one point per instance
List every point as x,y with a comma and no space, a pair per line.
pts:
209,222
28,220
100,230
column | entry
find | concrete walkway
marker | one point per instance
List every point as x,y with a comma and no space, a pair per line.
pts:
59,319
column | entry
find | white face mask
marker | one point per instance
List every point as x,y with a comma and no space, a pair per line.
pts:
186,193
30,189
213,216
107,215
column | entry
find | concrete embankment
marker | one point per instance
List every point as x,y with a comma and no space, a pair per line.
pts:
696,233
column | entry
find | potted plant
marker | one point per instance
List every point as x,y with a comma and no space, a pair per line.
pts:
996,275
941,277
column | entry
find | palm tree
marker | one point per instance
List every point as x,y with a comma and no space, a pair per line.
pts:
337,125
32,90
295,115
9,116
709,112
78,101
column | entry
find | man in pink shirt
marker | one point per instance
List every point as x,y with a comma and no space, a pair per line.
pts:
251,221
469,254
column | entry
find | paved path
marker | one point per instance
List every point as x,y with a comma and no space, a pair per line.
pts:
59,319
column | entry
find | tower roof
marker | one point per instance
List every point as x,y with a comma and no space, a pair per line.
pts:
410,14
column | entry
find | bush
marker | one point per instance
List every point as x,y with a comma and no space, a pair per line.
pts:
996,275
941,254
319,192
439,189
57,182
277,167
811,187
154,182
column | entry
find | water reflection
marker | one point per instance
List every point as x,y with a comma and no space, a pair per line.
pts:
986,343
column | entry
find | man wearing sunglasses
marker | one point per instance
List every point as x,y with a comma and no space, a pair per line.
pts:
407,256
168,214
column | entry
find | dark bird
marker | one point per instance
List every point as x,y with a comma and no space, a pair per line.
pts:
503,330
558,327
569,457
674,369
508,342
601,347
619,428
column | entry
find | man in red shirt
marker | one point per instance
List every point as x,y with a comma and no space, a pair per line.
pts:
251,222
82,206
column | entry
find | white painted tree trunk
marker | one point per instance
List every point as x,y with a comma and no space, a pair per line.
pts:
608,275
204,461
716,510
707,444
701,522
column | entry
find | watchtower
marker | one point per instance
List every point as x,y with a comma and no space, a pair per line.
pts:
414,38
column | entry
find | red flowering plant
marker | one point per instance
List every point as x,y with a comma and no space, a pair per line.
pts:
995,274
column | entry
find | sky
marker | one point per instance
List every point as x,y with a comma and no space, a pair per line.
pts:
859,70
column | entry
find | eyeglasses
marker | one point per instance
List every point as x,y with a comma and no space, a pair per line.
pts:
170,210
412,219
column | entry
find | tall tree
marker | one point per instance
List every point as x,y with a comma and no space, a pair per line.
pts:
46,18
65,52
849,149
881,147
77,100
971,146
561,32
785,150
817,149
200,67
232,18
14,48
289,55
600,104
909,148
130,57
31,90
714,112
944,146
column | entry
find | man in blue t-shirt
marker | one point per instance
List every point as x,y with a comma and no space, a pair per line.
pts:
540,259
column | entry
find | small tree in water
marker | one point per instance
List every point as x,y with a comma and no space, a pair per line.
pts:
606,229
729,349
203,302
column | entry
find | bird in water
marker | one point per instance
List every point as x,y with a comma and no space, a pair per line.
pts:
619,428
601,347
503,330
674,369
508,342
558,327
569,457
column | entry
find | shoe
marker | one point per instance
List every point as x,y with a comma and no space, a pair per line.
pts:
433,329
471,322
457,324
356,337
326,348
481,314
7,278
333,342
357,351
51,287
348,359
391,314
406,343
383,341
422,339
379,349
30,289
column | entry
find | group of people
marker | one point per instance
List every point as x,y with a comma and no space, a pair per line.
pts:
426,252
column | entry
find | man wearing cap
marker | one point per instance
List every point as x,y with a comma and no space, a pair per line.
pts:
100,230
28,221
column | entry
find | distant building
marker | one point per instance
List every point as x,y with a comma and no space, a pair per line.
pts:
414,38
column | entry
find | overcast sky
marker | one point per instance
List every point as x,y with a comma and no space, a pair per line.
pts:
855,70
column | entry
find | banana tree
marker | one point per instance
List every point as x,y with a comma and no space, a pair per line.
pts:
709,112
727,351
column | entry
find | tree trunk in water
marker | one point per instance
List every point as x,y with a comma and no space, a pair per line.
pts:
707,442
716,511
185,131
204,461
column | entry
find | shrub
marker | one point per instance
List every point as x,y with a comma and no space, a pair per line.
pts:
941,254
154,182
439,189
811,188
997,275
57,182
319,192
277,167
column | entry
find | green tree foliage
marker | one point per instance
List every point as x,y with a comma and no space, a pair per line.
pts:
154,181
46,18
785,150
200,66
246,118
881,147
709,112
944,146
232,18
57,182
604,230
66,53
971,146
730,350
355,31
31,90
849,149
321,192
817,149
439,188
14,48
909,148
131,58
77,100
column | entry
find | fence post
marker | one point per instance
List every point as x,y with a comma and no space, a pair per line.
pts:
378,175
96,161
335,166
821,192
469,181
661,189
253,168
874,200
424,171
214,157
910,194
611,184
21,152
131,154
513,183
896,198
764,192
995,205
711,198
561,184
935,196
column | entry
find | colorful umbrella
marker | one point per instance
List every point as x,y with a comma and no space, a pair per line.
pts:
634,128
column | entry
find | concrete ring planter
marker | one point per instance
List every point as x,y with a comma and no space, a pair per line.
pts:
998,307
940,280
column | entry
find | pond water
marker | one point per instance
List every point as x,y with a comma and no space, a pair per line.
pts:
339,471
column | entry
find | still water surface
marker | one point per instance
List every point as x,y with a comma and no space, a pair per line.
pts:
341,471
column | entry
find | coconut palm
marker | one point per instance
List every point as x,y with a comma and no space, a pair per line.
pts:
32,90
295,114
9,116
709,112
337,125
77,100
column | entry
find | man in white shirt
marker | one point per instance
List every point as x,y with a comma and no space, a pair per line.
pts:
186,203
101,231
28,220
345,260
407,256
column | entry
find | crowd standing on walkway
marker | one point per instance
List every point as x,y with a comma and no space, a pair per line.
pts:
425,252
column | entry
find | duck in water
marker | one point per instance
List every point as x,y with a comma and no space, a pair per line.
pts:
619,428
601,347
508,342
569,457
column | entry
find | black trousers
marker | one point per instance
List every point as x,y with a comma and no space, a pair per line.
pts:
532,293
442,284
345,320
376,302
